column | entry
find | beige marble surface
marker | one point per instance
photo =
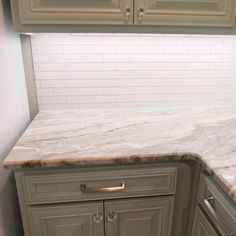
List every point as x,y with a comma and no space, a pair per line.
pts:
68,138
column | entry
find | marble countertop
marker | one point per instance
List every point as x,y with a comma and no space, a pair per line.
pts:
69,138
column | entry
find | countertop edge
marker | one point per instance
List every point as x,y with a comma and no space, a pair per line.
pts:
129,159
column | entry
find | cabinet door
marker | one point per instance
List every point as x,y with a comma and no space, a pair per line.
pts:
185,12
72,12
139,217
67,220
201,226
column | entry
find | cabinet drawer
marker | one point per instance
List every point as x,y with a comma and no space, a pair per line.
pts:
217,205
79,185
201,225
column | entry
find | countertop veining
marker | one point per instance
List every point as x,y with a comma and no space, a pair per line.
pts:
66,138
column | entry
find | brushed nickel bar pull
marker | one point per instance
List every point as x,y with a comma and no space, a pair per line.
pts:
120,188
209,202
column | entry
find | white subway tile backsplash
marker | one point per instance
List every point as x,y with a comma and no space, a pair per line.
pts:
46,106
52,83
75,71
65,91
65,106
53,99
47,48
45,92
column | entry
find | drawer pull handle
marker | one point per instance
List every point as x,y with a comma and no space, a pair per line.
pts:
85,189
210,204
97,218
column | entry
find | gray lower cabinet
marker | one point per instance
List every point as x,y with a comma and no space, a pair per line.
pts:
139,217
83,219
124,16
133,217
124,200
137,200
201,225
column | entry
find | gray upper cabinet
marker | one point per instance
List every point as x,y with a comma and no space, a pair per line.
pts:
109,12
185,12
139,217
148,16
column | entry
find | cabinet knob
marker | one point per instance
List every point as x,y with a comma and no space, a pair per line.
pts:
127,13
112,216
97,218
140,14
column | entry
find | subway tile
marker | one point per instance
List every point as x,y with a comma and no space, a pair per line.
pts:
75,71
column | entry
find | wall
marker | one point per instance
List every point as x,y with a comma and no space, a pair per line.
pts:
14,117
115,70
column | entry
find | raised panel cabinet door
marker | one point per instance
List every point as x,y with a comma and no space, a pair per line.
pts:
201,226
85,219
108,12
219,13
139,217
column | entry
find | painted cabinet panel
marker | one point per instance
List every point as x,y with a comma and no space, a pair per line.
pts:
185,12
139,217
72,186
198,16
201,226
67,12
133,217
67,220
